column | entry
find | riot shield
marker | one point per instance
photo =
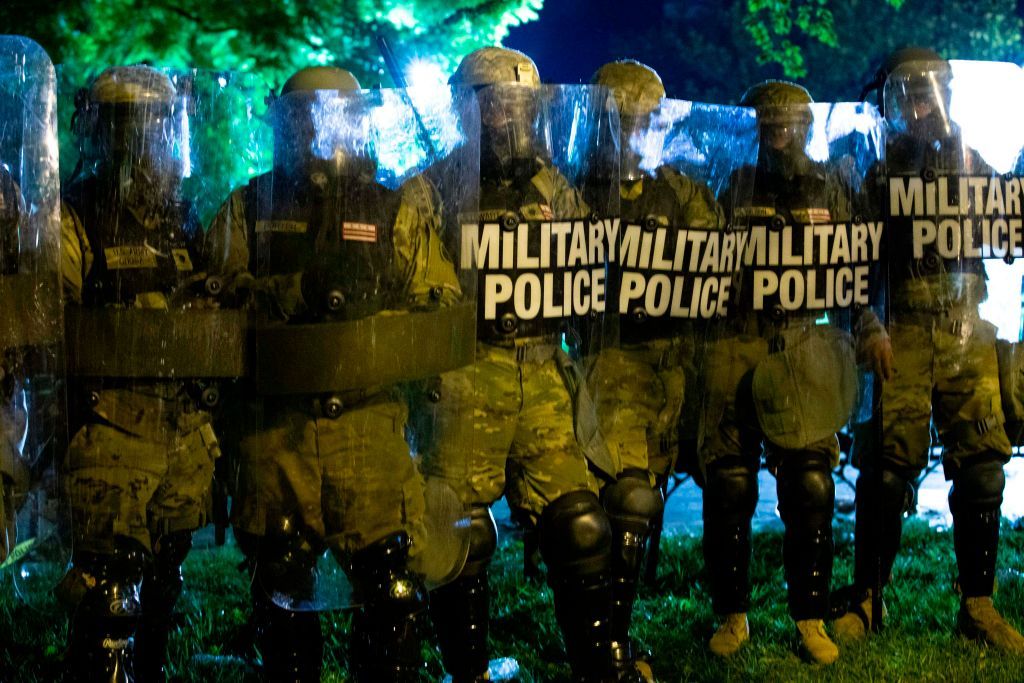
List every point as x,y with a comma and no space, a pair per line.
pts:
952,163
32,412
808,315
151,344
672,276
358,309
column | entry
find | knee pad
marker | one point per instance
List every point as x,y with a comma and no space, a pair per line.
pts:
731,489
483,540
114,584
172,548
978,484
806,485
285,562
381,576
575,534
632,505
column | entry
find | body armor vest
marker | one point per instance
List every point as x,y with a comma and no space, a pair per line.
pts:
347,230
914,157
137,249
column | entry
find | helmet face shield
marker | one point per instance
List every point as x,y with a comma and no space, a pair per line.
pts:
642,139
323,134
145,142
783,132
509,122
917,98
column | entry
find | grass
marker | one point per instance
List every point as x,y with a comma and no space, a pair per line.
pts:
673,621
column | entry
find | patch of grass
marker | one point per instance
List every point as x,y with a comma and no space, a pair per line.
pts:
673,621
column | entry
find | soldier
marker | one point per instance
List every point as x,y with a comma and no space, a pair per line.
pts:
778,377
318,247
640,386
523,418
945,376
139,468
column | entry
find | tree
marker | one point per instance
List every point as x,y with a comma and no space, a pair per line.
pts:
712,52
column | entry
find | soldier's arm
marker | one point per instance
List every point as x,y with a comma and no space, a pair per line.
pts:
76,256
422,264
228,256
566,201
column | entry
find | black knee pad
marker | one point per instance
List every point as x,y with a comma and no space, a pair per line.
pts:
978,484
632,505
483,540
382,578
806,485
285,563
172,549
731,490
575,534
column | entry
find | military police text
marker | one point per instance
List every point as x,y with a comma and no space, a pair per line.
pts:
962,216
835,260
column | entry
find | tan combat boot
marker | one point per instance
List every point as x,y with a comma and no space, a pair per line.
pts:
979,620
731,635
855,624
816,643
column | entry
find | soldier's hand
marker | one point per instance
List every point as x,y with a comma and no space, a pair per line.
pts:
880,356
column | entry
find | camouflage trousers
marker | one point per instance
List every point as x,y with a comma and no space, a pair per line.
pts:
141,466
349,481
508,411
946,376
639,392
729,424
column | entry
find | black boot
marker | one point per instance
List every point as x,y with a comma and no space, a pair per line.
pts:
161,586
103,625
632,506
575,540
460,610
386,638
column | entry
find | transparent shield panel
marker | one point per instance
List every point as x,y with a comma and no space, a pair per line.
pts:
953,162
153,345
809,299
343,252
32,409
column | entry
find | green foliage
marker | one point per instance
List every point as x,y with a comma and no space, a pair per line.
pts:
833,47
272,39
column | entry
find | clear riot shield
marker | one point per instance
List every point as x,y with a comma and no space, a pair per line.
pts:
809,295
359,309
32,411
671,282
150,346
540,244
953,159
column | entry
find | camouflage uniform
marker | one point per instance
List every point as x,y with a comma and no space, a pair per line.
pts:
301,464
945,373
319,471
523,416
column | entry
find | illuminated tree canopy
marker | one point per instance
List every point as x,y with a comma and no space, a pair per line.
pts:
270,38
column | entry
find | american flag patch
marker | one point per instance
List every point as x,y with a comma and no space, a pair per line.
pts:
818,215
359,232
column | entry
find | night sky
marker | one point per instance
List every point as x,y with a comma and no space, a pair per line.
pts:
573,38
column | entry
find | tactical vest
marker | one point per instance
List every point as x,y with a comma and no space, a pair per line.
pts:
910,156
656,206
778,201
136,249
510,204
347,230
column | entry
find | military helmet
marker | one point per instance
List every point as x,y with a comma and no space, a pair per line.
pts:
320,78
636,87
132,85
493,65
779,102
